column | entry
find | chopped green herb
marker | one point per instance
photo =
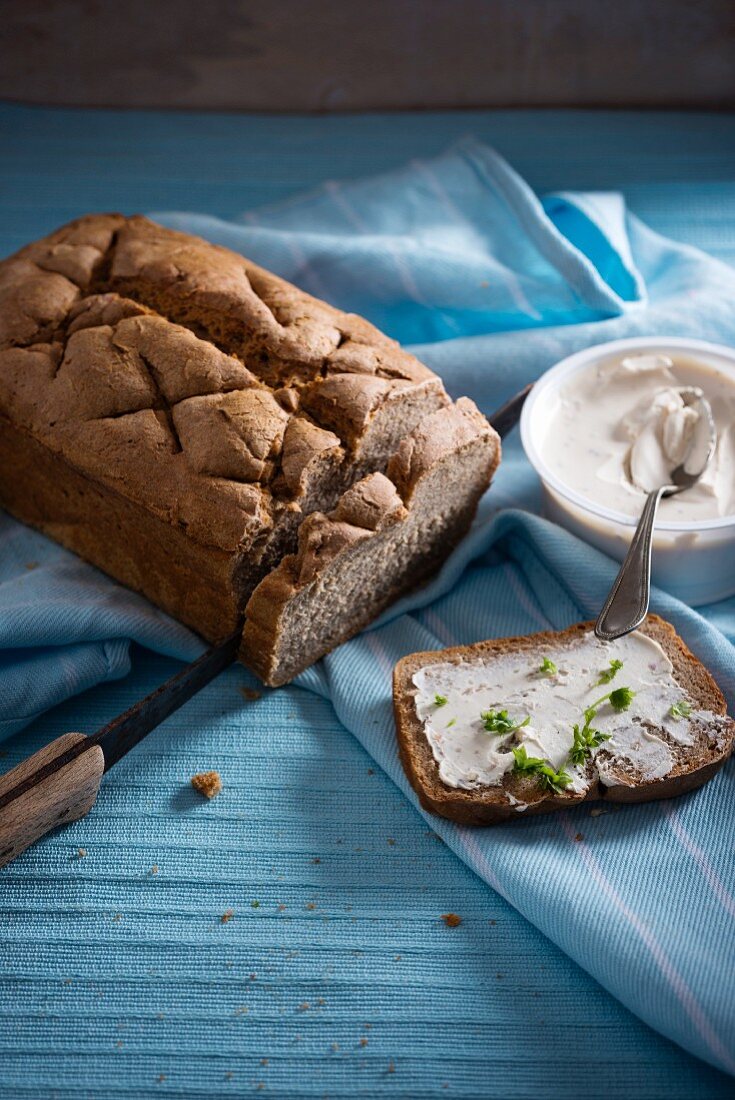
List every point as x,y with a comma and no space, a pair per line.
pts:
451,722
524,762
608,674
548,668
682,709
548,777
585,740
585,737
553,780
440,700
499,721
621,698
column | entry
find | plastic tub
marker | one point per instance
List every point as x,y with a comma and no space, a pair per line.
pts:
693,561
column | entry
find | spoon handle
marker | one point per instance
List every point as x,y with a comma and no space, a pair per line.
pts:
627,605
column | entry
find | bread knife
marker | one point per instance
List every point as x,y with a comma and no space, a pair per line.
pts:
59,784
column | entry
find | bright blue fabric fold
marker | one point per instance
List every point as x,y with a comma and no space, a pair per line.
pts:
492,285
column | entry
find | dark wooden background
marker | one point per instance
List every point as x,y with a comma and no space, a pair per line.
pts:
336,55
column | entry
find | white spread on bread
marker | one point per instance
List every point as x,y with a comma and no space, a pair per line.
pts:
619,427
452,696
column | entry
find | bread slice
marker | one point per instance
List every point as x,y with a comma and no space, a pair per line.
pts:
517,795
386,535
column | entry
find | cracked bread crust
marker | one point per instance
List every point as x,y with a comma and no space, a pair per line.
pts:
387,534
186,395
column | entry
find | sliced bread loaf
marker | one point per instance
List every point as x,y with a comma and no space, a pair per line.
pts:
515,726
386,535
173,413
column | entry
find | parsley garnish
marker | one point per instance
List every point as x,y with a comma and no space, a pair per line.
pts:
585,737
534,765
498,721
681,709
440,700
451,722
608,674
548,668
585,740
619,699
524,762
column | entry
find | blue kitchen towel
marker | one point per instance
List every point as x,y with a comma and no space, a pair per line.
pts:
459,257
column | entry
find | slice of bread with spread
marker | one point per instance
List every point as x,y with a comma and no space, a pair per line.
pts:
514,726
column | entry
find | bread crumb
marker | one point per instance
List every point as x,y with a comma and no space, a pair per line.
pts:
452,920
81,853
391,1066
310,905
227,916
579,836
208,784
242,1010
154,869
317,860
281,907
335,1046
229,1075
303,1007
363,1041
31,565
391,841
119,1044
250,694
321,1001
397,958
161,1078
264,1061
371,771
117,917
597,811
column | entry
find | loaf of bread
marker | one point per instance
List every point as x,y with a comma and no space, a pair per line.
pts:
222,442
656,727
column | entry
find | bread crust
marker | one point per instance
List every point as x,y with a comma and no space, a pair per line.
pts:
374,520
173,413
491,805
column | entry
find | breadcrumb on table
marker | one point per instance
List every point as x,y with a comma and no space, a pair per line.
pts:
452,920
208,784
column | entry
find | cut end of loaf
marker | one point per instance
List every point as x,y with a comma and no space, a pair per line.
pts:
354,562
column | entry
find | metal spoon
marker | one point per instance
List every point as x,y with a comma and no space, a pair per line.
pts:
627,605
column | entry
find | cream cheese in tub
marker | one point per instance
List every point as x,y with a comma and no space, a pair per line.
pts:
607,424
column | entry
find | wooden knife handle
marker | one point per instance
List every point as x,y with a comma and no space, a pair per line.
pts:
65,795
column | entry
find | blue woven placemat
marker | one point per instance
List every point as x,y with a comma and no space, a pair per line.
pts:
335,975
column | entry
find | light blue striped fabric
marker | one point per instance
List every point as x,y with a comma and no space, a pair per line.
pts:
458,257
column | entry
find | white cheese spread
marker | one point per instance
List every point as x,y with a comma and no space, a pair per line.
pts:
618,428
451,699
